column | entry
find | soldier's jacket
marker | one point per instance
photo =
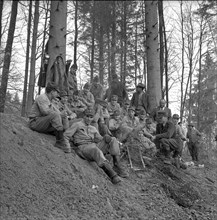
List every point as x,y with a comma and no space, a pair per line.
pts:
168,131
42,106
194,135
82,133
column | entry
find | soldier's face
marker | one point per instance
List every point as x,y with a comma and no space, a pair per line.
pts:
75,97
140,134
131,112
113,102
175,121
117,117
88,119
142,117
64,99
162,103
86,91
54,94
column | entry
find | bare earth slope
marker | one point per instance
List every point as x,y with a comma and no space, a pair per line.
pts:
39,181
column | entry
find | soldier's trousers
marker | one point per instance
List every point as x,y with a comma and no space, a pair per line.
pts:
194,150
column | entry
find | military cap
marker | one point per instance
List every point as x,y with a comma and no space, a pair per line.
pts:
142,112
116,113
141,85
89,112
114,76
96,79
101,102
131,108
114,97
176,116
190,125
63,93
148,121
76,92
74,66
87,85
52,86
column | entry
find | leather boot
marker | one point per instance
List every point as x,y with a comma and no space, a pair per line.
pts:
111,173
177,162
118,167
60,143
167,159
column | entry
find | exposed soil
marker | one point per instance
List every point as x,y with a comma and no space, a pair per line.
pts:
39,181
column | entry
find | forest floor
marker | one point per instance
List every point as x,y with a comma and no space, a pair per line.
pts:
39,181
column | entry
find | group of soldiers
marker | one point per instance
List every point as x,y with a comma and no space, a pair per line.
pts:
94,124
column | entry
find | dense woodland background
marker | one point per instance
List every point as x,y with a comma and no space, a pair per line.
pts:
170,46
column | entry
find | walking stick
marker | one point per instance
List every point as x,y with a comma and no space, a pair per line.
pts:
140,154
129,157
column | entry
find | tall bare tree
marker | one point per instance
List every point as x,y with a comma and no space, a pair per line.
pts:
7,56
153,58
161,36
76,33
183,63
57,45
31,86
1,8
23,110
113,41
92,41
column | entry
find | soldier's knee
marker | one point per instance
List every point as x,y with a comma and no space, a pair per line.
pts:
54,115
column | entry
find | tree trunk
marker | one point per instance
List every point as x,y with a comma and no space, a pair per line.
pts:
144,45
56,71
153,58
23,111
101,54
160,12
43,70
30,97
76,33
125,43
165,61
113,42
183,64
135,52
92,42
190,57
7,56
199,74
1,8
109,57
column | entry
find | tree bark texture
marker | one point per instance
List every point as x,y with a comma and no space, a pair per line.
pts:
101,54
135,51
33,60
23,110
160,12
113,42
57,45
92,42
125,43
7,56
1,8
183,63
153,58
76,32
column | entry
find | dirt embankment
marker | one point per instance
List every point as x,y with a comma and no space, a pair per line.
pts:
39,181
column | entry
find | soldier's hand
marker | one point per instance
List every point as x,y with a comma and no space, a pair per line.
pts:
63,113
153,138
